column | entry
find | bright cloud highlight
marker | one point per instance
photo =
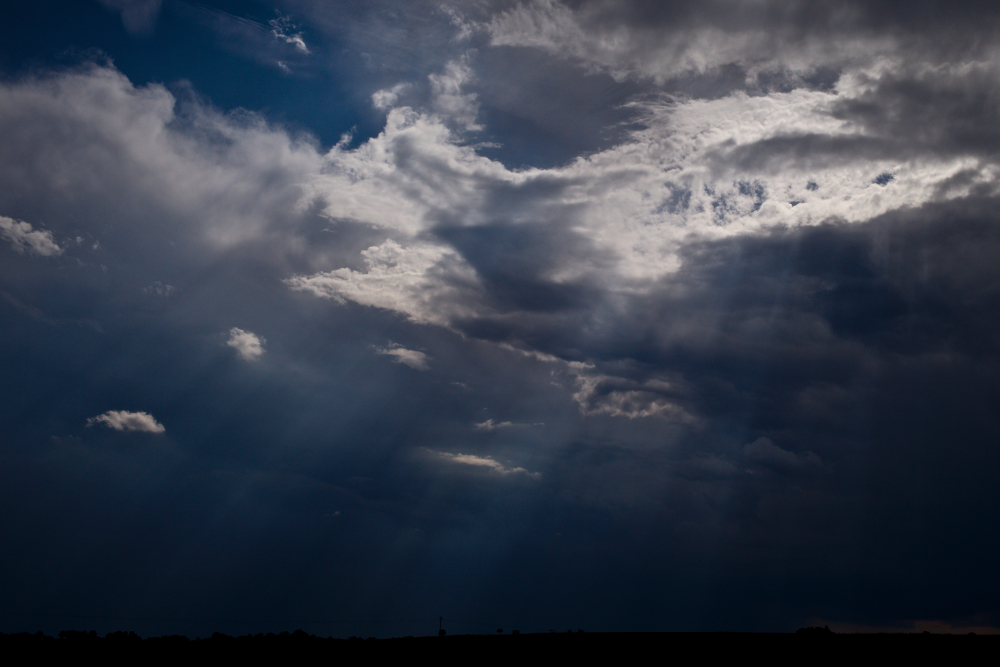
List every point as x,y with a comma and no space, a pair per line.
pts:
249,345
123,420
486,462
412,358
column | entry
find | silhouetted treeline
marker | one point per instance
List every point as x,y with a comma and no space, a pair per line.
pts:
554,645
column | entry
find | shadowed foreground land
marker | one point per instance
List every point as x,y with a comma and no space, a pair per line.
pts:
127,645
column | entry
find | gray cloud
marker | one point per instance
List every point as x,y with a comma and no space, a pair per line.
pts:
413,358
662,41
23,237
762,452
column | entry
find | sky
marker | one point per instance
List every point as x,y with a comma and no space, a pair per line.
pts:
352,316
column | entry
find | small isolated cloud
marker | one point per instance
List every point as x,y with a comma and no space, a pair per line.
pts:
249,345
123,420
139,16
490,425
282,28
159,289
486,462
23,237
764,453
412,358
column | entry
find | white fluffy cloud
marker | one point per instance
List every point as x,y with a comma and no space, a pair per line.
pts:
692,173
485,462
405,280
154,164
249,345
616,222
123,420
24,238
412,358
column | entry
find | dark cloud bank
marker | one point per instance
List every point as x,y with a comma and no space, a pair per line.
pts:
620,335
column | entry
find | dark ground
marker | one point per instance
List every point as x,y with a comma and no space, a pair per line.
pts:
813,646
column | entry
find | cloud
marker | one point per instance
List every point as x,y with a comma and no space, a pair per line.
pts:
23,237
556,261
463,228
619,397
661,41
243,186
159,289
138,16
276,43
387,98
725,263
764,453
123,420
404,279
412,358
485,462
546,260
448,98
578,263
249,345
282,28
490,425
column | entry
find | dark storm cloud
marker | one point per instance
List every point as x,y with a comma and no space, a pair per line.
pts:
633,372
945,29
793,16
811,152
543,114
902,115
936,112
